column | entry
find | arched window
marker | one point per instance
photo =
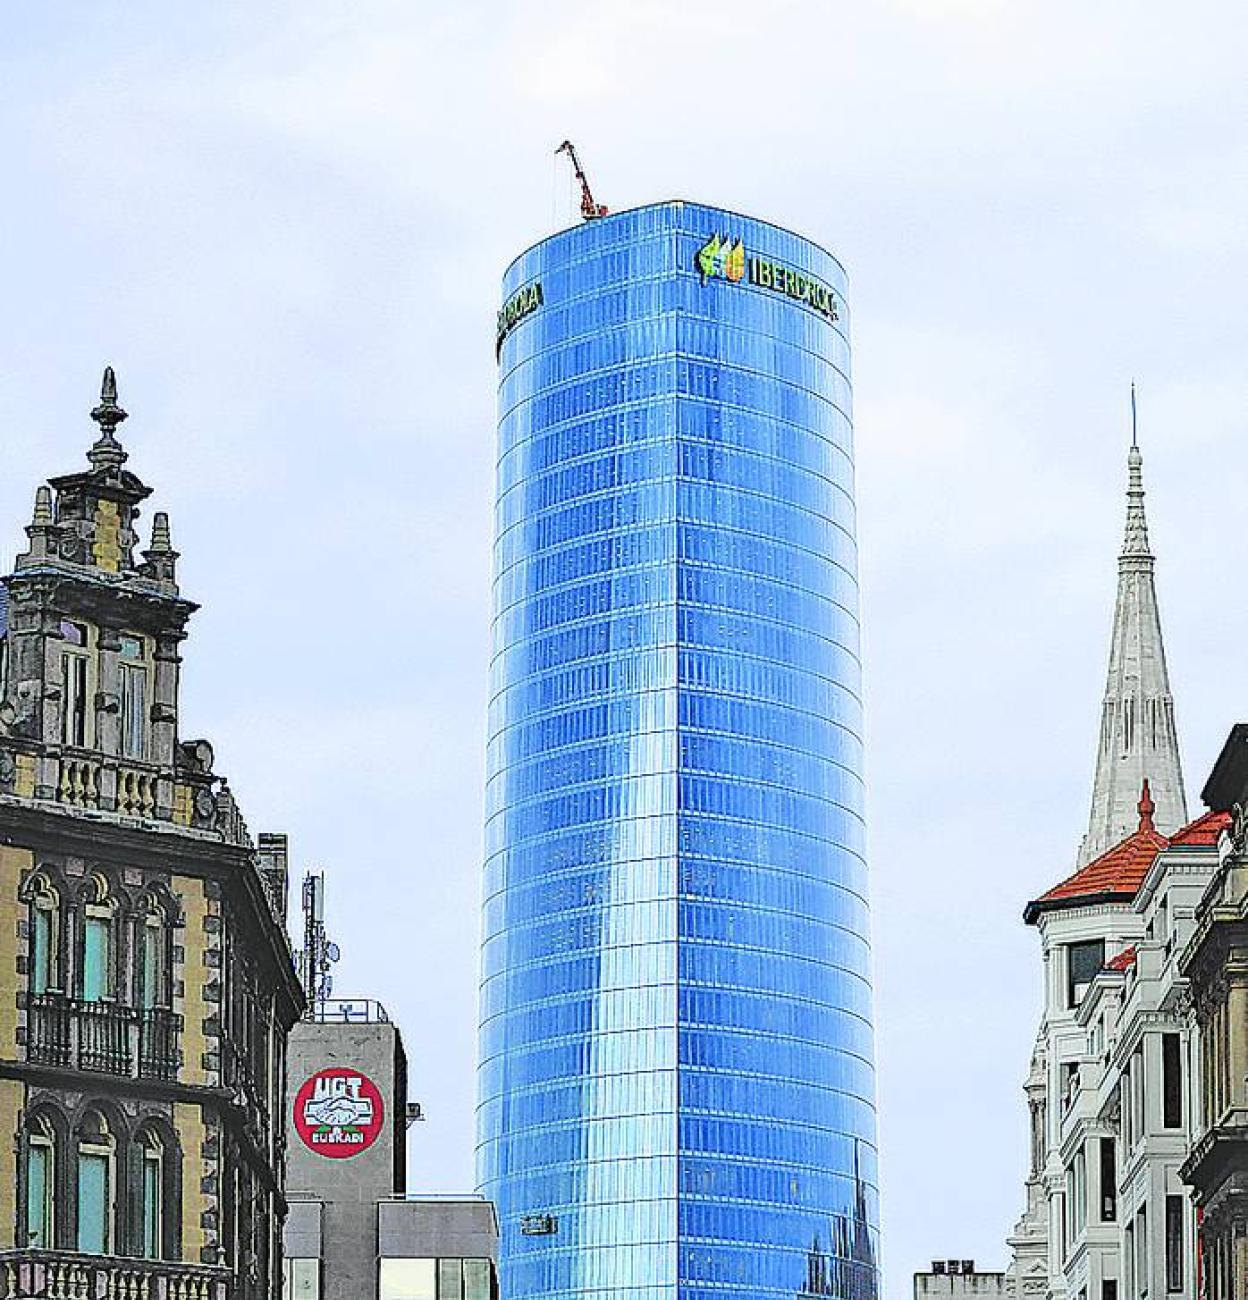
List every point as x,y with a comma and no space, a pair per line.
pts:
45,936
96,1184
97,970
152,957
151,1151
40,1184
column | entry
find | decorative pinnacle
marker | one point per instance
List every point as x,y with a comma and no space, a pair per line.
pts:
1147,808
162,543
1136,540
107,453
43,508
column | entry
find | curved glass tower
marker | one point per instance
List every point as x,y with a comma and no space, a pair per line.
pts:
676,1094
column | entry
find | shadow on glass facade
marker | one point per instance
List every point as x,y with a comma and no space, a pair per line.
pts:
676,1081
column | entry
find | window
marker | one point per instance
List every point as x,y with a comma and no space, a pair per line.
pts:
1109,1182
95,1186
74,702
478,1279
1083,962
1171,1082
1109,1289
152,1195
303,1279
1141,1249
40,1185
45,918
153,960
1174,1243
97,946
133,698
95,975
408,1279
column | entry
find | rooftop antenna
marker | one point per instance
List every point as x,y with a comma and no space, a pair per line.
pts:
590,208
1134,443
319,952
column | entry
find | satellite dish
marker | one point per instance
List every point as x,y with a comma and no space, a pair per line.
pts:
332,951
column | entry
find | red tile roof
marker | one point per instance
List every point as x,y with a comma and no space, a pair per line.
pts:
1204,831
1124,961
1116,874
1119,873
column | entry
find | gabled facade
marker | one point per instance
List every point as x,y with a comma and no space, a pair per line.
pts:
146,983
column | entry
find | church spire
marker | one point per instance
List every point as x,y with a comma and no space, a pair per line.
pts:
1138,742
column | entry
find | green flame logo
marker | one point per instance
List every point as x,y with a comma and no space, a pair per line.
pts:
721,257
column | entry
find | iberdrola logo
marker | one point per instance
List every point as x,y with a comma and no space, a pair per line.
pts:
722,257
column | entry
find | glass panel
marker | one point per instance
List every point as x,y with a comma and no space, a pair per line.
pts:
133,709
93,1207
95,959
303,1279
477,1274
132,647
450,1280
151,990
152,1194
74,728
39,1196
41,957
408,1279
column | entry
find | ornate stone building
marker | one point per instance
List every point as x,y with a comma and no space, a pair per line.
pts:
1215,962
146,982
1105,1218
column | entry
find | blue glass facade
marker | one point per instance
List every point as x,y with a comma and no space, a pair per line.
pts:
676,1093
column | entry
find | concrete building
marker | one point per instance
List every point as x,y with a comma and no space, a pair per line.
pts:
676,1080
1215,962
1105,1218
958,1279
353,1233
146,984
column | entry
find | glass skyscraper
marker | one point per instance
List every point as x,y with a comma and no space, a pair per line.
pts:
676,1091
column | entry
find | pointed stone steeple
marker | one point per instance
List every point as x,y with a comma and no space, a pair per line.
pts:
1139,745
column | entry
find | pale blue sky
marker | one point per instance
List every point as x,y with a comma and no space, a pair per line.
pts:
284,224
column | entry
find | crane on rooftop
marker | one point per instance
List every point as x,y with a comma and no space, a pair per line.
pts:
590,208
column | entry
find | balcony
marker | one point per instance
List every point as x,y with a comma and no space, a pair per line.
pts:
102,1037
65,1275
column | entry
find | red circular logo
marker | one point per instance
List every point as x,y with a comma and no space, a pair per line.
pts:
338,1113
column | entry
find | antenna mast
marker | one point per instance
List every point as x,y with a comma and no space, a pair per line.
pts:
319,952
590,208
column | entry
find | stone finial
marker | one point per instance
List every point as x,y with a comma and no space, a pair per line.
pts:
1147,808
108,453
162,543
162,559
42,528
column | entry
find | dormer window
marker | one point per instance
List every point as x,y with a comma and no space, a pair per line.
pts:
133,697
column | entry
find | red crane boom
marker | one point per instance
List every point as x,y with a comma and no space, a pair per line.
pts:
590,208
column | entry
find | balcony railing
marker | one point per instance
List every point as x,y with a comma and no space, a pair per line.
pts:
102,1037
65,1275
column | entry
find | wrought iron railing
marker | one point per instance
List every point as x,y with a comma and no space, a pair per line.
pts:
158,1043
102,1037
66,1275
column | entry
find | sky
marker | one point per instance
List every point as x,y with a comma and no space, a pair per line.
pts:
284,224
